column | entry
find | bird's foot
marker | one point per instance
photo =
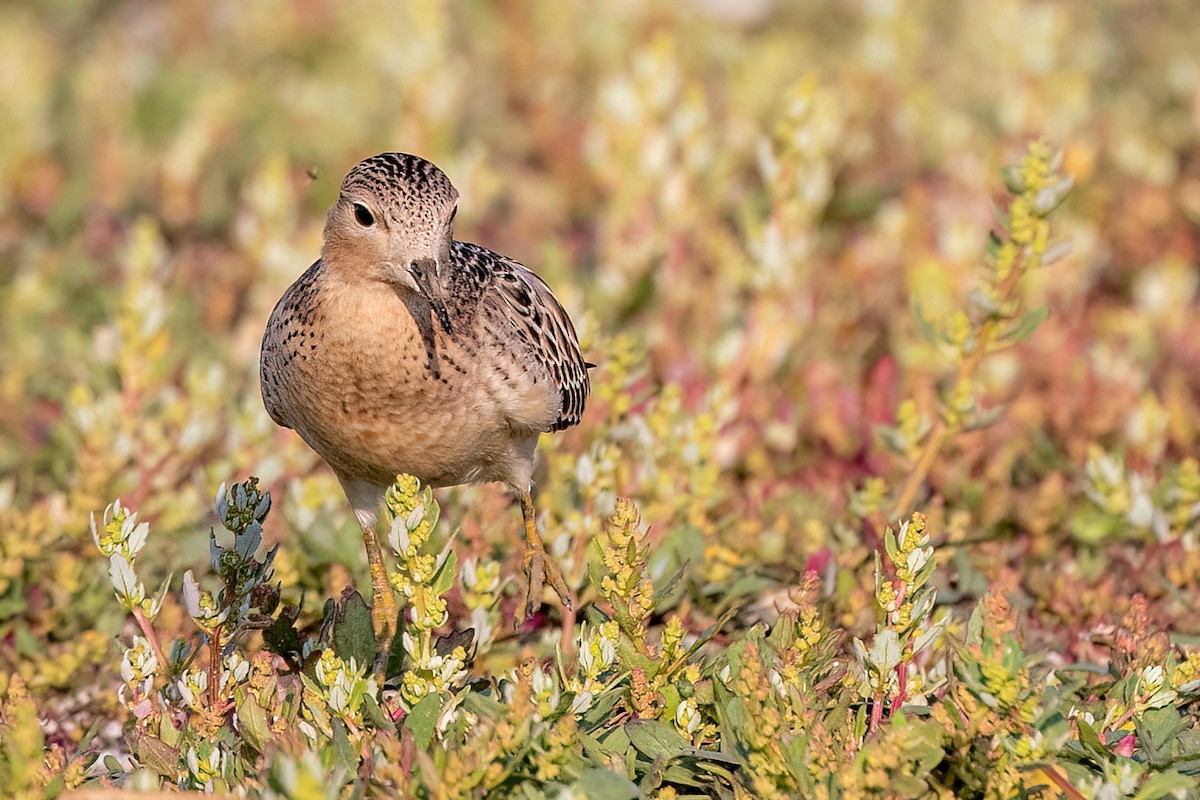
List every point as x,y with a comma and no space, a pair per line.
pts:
541,569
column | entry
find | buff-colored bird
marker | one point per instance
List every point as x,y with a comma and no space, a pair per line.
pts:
402,350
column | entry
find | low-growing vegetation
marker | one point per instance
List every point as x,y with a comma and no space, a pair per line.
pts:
887,487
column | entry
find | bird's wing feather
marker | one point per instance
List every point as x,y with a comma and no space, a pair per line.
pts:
542,330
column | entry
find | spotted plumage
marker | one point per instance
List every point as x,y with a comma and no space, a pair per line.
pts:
534,329
403,350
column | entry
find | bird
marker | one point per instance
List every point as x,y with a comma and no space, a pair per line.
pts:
404,351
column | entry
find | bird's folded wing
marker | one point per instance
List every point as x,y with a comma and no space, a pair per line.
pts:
544,329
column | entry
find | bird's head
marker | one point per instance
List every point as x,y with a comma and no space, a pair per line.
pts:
393,221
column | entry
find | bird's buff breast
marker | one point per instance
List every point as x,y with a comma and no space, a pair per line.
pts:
375,395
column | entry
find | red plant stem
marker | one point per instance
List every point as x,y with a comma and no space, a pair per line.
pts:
150,634
1128,715
1062,783
876,714
901,686
568,632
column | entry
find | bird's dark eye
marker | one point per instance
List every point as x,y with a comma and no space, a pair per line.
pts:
363,215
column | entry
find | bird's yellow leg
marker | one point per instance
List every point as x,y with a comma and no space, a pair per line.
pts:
539,567
383,605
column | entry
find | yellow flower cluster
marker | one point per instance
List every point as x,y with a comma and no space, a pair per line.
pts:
1186,672
428,672
341,686
480,581
414,515
422,578
764,729
626,586
1186,496
807,629
120,538
909,558
885,669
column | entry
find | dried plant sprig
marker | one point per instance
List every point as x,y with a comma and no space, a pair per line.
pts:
996,320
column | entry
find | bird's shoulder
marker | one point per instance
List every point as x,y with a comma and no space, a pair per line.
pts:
503,291
297,303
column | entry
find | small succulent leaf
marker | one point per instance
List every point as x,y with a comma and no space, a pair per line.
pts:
422,720
655,739
599,783
353,633
1166,784
1028,323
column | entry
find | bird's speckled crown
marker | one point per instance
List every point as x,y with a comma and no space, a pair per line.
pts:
407,185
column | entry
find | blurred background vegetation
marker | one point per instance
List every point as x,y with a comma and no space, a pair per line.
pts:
739,202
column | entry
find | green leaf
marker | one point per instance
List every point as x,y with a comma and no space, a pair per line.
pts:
353,633
928,332
1164,784
984,418
712,755
1012,179
252,722
445,645
602,706
994,243
735,713
1189,766
655,739
483,705
602,784
1027,325
167,732
444,579
1090,525
343,752
422,720
1091,740
795,755
615,742
891,545
711,768
398,657
1157,730
156,755
891,438
161,594
376,714
683,776
12,605
669,586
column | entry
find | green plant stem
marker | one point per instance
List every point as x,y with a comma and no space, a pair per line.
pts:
966,372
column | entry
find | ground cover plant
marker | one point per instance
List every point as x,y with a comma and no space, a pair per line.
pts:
888,485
